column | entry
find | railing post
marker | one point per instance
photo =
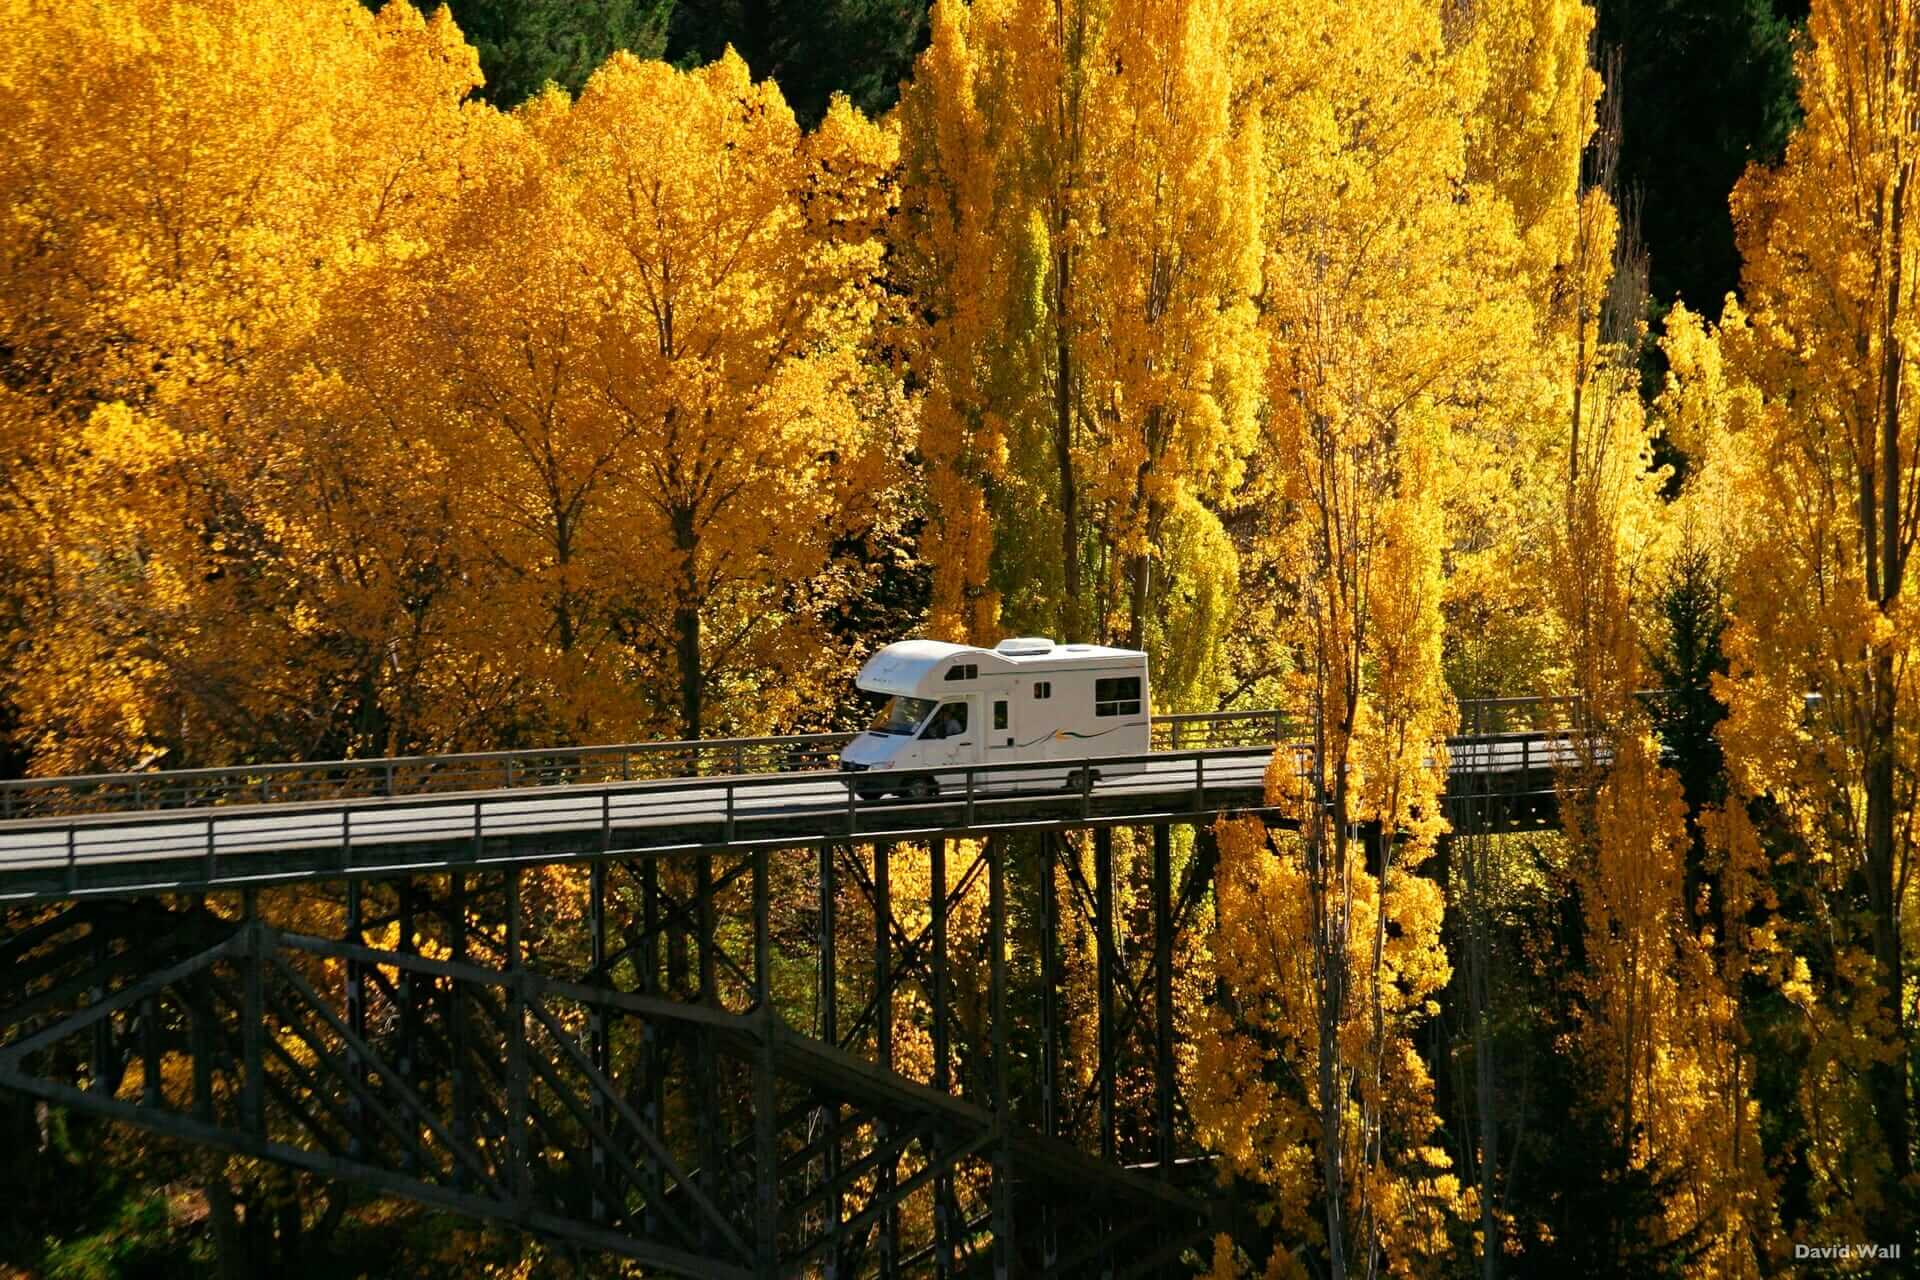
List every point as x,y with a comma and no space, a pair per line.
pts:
730,812
1199,783
389,778
210,864
73,862
969,799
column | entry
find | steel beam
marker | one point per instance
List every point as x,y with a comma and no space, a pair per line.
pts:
886,1175
943,1208
828,980
1105,979
1163,1030
1005,1255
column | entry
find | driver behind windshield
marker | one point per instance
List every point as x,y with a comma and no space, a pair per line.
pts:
951,720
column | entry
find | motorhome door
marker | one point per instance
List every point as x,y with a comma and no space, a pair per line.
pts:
953,733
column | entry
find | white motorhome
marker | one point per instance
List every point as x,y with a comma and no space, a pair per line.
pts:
1023,700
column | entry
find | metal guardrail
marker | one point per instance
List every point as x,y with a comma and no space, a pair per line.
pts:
1483,717
68,855
294,783
64,855
225,845
499,770
395,776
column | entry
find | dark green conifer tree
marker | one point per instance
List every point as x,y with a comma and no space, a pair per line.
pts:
1708,90
523,44
813,48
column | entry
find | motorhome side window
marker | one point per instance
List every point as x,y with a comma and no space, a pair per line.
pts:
1119,696
967,671
1043,688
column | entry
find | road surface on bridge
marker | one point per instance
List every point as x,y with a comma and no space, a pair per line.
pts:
239,844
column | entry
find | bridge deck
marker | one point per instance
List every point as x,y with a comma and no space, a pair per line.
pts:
236,844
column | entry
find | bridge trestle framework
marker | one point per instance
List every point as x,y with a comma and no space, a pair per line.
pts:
918,1039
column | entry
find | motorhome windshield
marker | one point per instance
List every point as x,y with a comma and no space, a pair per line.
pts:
903,715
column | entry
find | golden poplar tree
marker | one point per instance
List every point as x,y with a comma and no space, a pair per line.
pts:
951,235
1080,221
729,297
1805,401
1661,1043
653,314
1379,333
1167,347
184,182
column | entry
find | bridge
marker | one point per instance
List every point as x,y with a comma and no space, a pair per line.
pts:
700,1004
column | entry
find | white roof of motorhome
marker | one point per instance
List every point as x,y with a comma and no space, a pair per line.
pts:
905,666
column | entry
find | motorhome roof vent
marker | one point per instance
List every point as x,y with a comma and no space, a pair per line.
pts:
1017,646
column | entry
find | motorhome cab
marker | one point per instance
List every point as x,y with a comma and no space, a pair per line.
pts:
1023,700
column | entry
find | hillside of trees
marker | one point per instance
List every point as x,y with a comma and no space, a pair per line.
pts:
378,381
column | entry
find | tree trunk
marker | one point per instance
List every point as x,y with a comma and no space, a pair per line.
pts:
1332,1104
1140,571
1479,954
1152,516
1070,622
1889,1079
686,626
230,1241
1882,851
1332,921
